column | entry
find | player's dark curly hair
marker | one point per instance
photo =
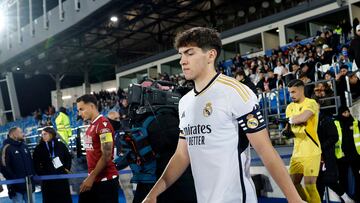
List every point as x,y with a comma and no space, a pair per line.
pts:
204,38
87,98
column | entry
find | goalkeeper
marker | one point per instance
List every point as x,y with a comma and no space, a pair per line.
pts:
302,115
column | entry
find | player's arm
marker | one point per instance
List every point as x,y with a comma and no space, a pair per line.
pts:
254,126
106,141
301,118
274,164
175,168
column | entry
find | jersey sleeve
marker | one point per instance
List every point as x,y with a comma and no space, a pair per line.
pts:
181,119
245,109
105,131
288,110
311,105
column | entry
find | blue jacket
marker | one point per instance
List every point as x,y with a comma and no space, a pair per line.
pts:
16,162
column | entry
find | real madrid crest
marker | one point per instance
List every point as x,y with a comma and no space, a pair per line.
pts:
207,110
252,122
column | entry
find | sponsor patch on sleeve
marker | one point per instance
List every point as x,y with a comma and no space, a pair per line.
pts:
252,122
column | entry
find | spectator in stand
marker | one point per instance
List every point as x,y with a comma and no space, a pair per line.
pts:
16,162
354,25
327,56
52,157
346,28
354,49
287,64
329,76
280,70
341,86
124,108
342,73
354,85
344,56
241,77
347,149
321,92
320,40
268,82
308,89
302,58
319,53
306,69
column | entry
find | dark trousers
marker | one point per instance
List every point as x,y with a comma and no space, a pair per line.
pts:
142,189
101,192
344,164
56,191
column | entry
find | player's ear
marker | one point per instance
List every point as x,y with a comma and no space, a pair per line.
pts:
212,54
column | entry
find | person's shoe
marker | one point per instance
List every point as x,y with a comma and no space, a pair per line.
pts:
347,199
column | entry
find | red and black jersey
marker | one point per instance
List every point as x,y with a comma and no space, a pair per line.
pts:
100,125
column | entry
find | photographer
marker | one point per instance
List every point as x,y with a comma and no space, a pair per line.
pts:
161,122
124,179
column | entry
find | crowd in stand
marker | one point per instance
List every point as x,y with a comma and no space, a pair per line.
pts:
265,73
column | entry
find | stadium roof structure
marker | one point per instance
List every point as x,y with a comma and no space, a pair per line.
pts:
141,29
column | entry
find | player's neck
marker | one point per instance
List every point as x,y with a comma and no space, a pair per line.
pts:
301,100
95,116
204,79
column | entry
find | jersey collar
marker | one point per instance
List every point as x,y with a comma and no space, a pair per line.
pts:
96,119
207,86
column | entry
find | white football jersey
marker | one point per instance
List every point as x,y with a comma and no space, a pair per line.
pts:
217,143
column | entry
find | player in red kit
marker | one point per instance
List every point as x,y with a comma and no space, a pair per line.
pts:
101,185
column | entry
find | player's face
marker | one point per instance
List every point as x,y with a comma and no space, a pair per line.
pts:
194,62
85,110
296,93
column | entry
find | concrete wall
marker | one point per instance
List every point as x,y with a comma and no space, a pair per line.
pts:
71,94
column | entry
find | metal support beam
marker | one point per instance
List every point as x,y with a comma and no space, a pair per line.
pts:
2,109
12,95
57,78
86,84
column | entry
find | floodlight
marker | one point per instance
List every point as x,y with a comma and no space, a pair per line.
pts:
114,19
252,9
265,4
241,13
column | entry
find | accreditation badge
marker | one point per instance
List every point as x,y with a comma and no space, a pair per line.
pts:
56,162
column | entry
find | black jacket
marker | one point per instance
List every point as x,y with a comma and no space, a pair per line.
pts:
354,50
328,137
43,162
246,81
16,163
53,191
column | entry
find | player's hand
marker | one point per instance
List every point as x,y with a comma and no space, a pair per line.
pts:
87,184
149,200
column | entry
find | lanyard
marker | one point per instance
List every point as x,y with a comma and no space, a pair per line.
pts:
53,150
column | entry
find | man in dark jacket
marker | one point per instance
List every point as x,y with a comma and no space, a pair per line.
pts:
354,49
329,175
347,149
241,77
16,163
